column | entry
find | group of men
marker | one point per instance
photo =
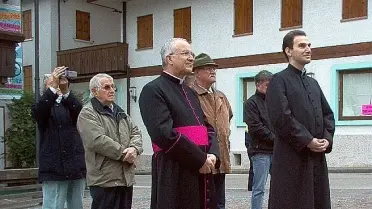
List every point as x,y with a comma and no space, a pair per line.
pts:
188,120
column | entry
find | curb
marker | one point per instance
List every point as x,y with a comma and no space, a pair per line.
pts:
330,170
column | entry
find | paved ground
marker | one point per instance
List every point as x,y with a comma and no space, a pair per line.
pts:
348,191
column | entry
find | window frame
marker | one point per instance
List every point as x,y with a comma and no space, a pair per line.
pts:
336,100
241,92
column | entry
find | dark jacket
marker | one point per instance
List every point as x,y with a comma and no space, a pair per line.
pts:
299,112
61,153
259,126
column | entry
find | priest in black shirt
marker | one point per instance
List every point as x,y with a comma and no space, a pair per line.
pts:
184,144
304,123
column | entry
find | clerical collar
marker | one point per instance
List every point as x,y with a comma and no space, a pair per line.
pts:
294,69
180,80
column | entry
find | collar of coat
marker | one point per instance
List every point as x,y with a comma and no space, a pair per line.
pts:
104,109
263,96
200,90
297,71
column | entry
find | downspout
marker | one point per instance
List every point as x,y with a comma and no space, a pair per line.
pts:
59,24
124,32
37,76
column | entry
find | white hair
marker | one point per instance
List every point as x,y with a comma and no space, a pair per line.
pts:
95,82
169,48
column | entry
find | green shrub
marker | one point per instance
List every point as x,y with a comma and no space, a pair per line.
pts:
20,137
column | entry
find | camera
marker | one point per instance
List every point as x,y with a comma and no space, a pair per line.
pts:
69,73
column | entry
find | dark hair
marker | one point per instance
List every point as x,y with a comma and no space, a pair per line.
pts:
263,75
288,39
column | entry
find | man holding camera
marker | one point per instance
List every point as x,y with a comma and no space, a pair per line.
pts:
61,159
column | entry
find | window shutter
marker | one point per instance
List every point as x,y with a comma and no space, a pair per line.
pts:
144,31
291,13
182,23
243,17
354,9
82,25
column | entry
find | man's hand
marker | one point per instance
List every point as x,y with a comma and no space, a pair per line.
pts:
213,158
53,81
318,145
325,144
207,167
63,85
130,155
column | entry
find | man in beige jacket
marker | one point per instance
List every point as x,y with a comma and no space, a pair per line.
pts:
218,112
112,143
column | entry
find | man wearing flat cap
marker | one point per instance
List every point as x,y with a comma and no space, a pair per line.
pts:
218,112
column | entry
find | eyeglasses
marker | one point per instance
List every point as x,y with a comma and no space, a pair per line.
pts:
108,87
185,53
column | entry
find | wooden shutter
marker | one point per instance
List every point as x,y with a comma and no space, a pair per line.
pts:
82,25
27,24
182,23
144,32
354,9
27,78
243,12
291,13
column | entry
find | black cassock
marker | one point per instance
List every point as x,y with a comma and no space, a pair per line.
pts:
181,140
299,112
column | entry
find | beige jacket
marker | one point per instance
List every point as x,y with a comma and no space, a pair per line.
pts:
218,112
105,137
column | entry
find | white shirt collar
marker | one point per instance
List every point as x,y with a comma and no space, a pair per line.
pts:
181,80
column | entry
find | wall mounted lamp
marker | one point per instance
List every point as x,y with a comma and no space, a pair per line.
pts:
133,93
311,74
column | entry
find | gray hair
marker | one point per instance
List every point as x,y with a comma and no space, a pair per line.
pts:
95,82
45,79
168,48
263,75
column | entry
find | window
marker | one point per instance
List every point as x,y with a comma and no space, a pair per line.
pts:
354,9
82,25
291,14
355,94
27,24
182,23
243,24
144,32
249,88
27,78
245,88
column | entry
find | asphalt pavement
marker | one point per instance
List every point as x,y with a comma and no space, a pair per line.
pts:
348,191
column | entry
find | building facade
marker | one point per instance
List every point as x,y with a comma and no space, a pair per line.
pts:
243,36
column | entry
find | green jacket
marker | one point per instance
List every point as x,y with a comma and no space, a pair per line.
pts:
105,134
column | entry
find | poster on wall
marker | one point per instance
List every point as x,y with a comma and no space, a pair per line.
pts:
367,109
10,18
10,21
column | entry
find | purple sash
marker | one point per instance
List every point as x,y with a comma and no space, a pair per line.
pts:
197,134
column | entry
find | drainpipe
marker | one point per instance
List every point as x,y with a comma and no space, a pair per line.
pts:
124,32
37,79
59,24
